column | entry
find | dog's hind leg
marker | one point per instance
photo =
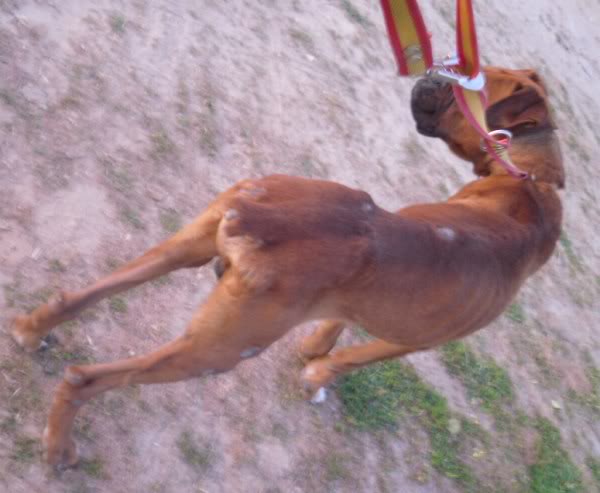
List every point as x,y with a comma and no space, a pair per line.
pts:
320,372
234,324
322,340
192,246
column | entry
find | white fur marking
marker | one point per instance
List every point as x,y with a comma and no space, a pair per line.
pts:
320,396
19,338
309,371
446,233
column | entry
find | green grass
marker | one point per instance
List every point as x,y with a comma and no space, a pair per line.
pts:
354,14
117,23
591,399
303,39
336,468
16,296
594,467
93,468
118,304
170,221
375,397
131,217
9,424
198,458
482,377
516,313
56,266
23,449
553,470
162,145
574,260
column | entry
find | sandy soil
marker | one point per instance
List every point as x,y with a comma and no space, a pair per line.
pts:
120,120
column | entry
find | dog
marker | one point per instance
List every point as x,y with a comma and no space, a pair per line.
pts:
293,250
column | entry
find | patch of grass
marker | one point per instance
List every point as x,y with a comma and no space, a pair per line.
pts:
13,296
354,14
132,218
302,39
70,101
162,145
76,354
413,148
591,399
280,431
574,144
7,98
516,313
93,468
120,180
482,377
374,397
594,467
336,467
118,304
162,280
117,23
573,258
9,424
41,295
198,457
553,471
23,449
56,266
170,220
548,375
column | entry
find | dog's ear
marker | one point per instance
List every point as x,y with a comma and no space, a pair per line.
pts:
525,109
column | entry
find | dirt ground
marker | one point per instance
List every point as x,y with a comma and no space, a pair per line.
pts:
120,120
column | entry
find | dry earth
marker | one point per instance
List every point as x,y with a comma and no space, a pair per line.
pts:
120,120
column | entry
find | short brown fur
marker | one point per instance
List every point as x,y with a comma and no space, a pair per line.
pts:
293,250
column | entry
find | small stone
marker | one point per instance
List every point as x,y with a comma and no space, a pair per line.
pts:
478,453
454,426
556,404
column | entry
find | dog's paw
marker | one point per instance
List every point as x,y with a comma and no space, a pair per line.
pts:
59,453
315,376
20,331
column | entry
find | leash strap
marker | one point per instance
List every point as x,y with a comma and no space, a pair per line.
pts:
412,48
408,36
466,39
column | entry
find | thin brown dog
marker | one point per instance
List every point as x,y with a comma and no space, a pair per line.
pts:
294,250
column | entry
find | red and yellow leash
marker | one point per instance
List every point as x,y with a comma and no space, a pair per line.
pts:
412,47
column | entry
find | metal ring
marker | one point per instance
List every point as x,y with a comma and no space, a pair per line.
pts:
507,134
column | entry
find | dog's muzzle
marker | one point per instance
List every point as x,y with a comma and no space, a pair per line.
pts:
430,97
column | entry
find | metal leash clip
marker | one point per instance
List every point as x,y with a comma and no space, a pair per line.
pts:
445,70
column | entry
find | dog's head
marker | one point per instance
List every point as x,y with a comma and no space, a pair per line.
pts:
517,101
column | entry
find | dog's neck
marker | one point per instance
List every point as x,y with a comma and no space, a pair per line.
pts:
537,153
